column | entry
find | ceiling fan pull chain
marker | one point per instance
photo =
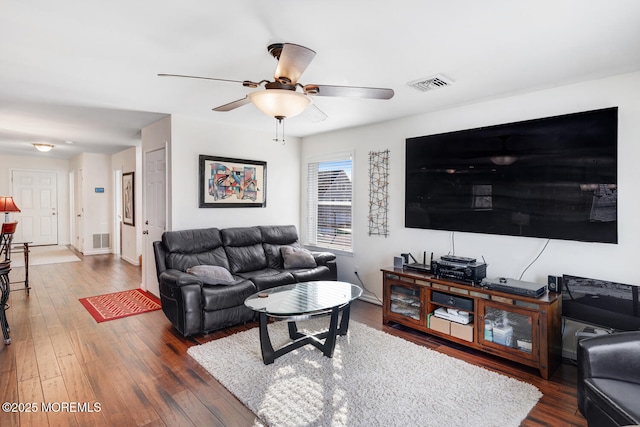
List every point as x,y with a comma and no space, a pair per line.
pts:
279,120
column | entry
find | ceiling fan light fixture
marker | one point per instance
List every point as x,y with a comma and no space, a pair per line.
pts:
44,148
280,103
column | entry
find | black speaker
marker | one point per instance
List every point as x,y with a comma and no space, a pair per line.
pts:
554,283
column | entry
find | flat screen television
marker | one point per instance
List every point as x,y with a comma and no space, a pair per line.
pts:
552,177
601,303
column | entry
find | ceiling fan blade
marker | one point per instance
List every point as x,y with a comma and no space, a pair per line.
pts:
349,91
292,62
246,83
233,105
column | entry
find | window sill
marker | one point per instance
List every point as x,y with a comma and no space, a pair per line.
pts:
341,252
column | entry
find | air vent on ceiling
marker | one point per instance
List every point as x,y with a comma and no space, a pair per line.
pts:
431,83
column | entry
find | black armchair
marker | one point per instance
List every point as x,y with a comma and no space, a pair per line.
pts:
609,379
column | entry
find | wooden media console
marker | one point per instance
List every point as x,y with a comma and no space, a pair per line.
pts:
523,329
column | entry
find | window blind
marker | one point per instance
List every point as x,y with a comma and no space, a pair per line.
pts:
329,204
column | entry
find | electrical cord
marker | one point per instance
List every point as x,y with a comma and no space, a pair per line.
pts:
453,242
365,288
535,259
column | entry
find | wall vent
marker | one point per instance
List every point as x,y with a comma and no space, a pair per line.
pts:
100,241
431,83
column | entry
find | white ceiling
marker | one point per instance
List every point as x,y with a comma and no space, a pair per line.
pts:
86,72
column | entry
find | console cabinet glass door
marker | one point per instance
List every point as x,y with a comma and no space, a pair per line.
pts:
405,301
510,329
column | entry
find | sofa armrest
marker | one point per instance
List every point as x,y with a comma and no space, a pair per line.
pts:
329,260
177,278
181,299
614,356
322,258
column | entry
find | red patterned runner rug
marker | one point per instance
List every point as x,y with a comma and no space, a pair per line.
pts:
120,304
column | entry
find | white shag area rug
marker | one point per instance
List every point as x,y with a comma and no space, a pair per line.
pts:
40,255
373,379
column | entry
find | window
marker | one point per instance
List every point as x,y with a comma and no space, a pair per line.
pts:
329,197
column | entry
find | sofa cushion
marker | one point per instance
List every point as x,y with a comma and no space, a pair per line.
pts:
212,274
321,272
219,297
182,261
246,258
274,257
188,248
273,238
297,258
241,236
619,399
268,278
266,282
243,246
192,241
279,234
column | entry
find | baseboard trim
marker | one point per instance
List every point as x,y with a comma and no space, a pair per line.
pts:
130,261
97,251
370,298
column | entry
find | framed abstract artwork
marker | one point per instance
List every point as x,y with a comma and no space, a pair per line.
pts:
128,201
232,183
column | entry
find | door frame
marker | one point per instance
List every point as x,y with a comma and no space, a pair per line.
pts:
148,261
117,212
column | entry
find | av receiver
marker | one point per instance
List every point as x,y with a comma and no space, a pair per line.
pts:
472,272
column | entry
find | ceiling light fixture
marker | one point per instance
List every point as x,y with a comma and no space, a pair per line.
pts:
43,147
505,160
280,104
504,157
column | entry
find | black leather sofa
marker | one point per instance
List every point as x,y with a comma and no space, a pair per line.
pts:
252,255
609,379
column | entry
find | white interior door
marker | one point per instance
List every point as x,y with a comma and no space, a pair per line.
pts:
35,193
155,213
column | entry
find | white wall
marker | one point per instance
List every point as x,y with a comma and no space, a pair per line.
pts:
61,167
97,207
127,161
506,256
191,137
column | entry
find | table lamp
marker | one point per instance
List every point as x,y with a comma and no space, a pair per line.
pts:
7,205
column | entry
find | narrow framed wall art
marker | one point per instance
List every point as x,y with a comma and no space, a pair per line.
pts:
128,200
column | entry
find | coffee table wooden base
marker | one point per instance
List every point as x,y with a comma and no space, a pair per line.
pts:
301,339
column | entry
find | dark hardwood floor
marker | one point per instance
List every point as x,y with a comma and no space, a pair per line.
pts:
137,368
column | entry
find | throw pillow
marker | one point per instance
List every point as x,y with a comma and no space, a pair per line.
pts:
212,274
297,257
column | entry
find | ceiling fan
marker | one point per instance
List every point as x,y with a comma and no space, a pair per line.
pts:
280,98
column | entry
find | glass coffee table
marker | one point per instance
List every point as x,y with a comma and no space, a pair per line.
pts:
302,301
